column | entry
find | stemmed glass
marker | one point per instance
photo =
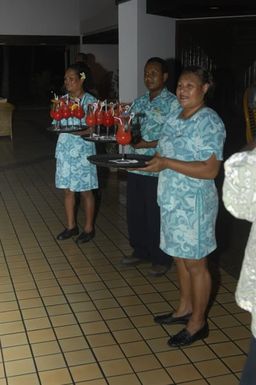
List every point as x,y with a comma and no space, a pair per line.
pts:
99,114
56,113
90,118
79,114
123,135
108,118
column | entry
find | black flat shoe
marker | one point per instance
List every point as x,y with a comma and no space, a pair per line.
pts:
184,338
85,237
169,319
67,233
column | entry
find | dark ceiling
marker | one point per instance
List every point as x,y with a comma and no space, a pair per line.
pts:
181,9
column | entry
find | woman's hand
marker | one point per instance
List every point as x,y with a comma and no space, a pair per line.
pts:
156,164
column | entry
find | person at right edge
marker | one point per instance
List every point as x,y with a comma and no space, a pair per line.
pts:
239,197
143,215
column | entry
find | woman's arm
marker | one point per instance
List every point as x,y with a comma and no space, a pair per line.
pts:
144,144
205,169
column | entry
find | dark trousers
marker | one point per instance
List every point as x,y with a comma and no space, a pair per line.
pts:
143,217
249,371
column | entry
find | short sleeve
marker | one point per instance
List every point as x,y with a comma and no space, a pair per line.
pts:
212,136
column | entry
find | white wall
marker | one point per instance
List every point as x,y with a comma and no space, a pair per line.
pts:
128,50
141,36
97,15
39,17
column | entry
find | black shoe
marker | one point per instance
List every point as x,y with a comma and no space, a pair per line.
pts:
67,233
169,319
184,338
85,237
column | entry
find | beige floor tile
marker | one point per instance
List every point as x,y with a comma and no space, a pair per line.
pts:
196,382
97,340
119,324
16,353
225,321
10,316
41,335
100,381
25,379
79,357
229,379
34,313
199,353
226,349
94,327
235,363
184,373
83,306
150,332
85,372
50,362
143,363
11,328
211,368
128,379
172,358
68,331
106,352
19,367
37,323
14,340
55,377
129,335
116,367
216,336
153,377
129,300
63,320
44,348
238,332
73,344
108,314
142,320
244,344
88,316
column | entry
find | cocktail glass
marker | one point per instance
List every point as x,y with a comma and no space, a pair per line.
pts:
90,118
123,136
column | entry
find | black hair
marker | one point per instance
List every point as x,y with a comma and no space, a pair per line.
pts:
159,60
80,68
203,74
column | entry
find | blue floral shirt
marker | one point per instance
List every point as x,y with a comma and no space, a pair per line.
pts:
155,114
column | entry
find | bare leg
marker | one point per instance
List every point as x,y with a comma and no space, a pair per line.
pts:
200,289
89,208
69,202
185,304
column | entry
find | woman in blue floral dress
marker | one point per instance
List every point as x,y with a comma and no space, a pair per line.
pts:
188,159
74,173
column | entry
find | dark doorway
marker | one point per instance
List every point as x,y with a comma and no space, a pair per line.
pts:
33,72
227,48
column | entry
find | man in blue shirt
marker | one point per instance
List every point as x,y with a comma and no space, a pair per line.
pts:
143,213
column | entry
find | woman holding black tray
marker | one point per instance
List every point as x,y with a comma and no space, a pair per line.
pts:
188,159
74,173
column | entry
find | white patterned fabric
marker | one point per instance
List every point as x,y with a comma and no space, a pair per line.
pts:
239,196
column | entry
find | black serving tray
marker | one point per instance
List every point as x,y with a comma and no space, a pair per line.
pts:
115,160
67,129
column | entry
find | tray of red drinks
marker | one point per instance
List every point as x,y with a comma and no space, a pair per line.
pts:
66,129
119,160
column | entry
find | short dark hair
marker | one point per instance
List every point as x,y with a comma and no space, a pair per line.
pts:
203,74
79,68
159,60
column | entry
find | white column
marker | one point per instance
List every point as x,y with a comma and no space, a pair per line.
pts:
141,36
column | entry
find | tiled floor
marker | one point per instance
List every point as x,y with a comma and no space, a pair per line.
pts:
74,315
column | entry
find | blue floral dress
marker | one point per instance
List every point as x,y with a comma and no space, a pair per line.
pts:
73,170
189,205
